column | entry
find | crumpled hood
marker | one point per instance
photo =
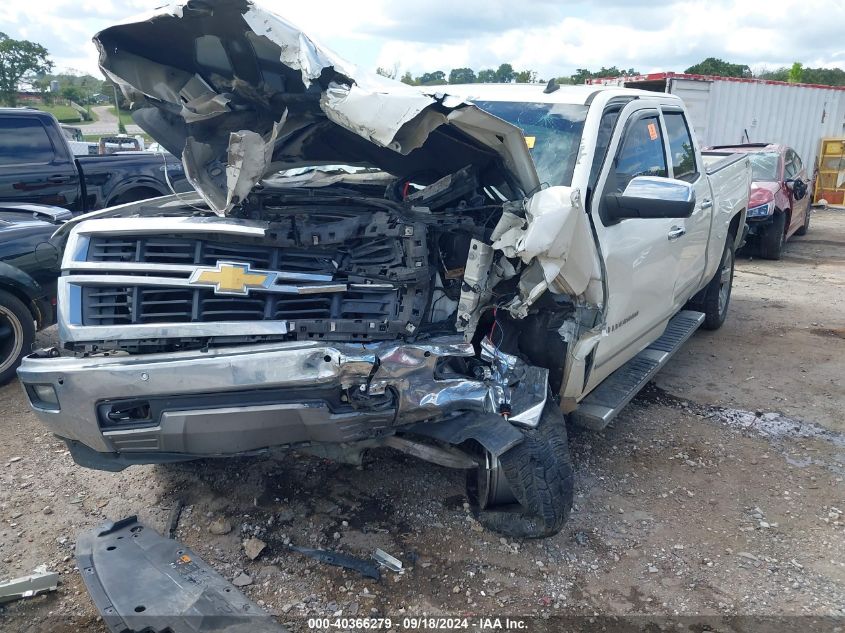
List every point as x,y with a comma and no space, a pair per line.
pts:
763,191
240,93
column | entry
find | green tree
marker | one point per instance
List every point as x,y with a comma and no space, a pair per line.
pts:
821,76
796,72
407,78
824,76
436,78
462,76
20,60
779,74
525,76
583,74
505,74
486,76
72,93
720,68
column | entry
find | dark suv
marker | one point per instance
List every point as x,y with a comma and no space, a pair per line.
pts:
28,271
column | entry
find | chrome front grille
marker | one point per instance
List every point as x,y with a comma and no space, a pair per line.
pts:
139,280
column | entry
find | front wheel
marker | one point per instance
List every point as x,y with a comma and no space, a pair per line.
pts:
527,491
771,241
717,295
17,334
806,226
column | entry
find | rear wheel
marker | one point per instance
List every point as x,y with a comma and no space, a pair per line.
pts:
771,240
717,295
17,334
527,491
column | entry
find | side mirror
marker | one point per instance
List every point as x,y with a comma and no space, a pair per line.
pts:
651,197
798,188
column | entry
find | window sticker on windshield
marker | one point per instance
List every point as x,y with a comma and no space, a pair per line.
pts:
530,140
652,131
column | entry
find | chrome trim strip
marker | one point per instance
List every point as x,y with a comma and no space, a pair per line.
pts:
186,269
178,282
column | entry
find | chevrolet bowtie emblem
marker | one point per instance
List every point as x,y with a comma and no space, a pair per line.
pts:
232,278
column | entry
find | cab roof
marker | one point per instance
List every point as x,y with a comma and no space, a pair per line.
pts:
536,93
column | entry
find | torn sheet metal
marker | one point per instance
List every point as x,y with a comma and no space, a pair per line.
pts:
40,581
142,581
517,389
231,70
555,240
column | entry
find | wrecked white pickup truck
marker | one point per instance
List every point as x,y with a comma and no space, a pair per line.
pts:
449,275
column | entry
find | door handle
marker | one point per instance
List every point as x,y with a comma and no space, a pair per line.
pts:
58,180
706,203
675,232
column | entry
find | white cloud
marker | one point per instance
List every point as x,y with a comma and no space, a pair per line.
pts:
552,37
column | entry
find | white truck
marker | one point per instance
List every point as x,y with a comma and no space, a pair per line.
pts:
452,275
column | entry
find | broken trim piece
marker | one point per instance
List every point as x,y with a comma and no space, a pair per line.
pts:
366,568
40,581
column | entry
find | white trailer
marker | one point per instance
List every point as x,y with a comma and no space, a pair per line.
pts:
729,110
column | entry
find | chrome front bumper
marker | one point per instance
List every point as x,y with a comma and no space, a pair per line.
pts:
217,420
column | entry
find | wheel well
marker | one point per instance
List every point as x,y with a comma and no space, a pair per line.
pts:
30,304
733,228
788,214
134,194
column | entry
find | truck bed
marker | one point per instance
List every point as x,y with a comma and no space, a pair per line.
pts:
716,160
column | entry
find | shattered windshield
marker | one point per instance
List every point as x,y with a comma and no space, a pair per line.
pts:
764,166
552,131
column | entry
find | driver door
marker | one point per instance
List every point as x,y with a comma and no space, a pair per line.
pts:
641,256
793,169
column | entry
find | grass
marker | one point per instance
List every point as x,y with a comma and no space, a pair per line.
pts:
65,114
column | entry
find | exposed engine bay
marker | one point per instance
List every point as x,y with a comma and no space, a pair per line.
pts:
410,265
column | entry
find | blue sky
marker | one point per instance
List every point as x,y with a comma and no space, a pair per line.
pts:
553,37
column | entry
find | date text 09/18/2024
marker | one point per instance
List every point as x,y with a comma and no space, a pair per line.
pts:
419,624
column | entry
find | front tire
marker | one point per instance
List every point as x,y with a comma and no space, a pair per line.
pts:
527,492
806,226
17,334
771,241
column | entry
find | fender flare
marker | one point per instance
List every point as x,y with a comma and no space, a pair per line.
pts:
25,288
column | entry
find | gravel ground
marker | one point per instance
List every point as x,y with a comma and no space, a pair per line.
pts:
719,491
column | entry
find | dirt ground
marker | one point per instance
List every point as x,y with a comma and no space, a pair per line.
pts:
718,491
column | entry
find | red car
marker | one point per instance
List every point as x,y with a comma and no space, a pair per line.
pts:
779,205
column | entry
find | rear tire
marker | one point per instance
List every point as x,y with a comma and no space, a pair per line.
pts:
17,334
717,295
537,486
806,226
771,241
